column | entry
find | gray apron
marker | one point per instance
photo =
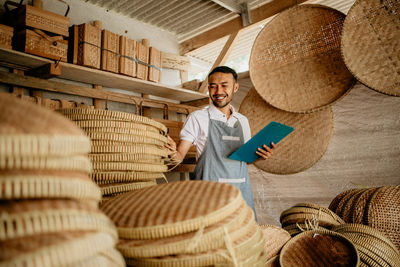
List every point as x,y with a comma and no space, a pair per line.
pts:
214,164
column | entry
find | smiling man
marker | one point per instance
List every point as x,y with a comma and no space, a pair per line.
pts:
217,131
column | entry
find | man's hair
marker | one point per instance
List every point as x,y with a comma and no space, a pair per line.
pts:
224,69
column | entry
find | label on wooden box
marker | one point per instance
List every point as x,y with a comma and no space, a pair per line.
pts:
110,51
89,46
127,59
6,34
38,43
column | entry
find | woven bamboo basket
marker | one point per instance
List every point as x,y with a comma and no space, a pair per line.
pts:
370,44
296,64
275,238
108,258
118,188
319,248
303,147
124,176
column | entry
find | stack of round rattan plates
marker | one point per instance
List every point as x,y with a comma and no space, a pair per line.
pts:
371,44
308,216
275,238
377,207
319,248
127,151
191,223
375,249
49,213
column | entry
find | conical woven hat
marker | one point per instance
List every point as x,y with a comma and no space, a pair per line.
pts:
296,64
275,238
48,184
112,189
319,248
371,44
108,258
54,249
100,114
303,147
240,251
43,132
383,211
171,209
124,176
26,218
212,237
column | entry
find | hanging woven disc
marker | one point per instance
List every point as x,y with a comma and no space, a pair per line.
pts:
303,147
295,62
371,44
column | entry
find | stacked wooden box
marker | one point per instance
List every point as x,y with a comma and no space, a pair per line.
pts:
39,32
6,34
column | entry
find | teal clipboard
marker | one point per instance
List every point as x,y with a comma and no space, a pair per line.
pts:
273,132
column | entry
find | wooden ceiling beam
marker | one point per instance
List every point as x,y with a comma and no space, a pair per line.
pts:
257,15
230,5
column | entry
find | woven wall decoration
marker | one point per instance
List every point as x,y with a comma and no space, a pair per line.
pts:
371,44
295,62
303,147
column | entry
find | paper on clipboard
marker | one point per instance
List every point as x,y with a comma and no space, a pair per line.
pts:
273,132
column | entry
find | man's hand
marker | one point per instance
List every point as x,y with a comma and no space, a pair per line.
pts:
266,152
170,145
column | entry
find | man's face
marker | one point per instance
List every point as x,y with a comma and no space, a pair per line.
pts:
222,87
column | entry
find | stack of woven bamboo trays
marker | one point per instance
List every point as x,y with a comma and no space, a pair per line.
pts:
378,207
275,238
49,213
190,223
127,150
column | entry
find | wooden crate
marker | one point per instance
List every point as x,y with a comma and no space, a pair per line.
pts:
142,55
6,34
155,65
110,51
89,46
73,42
34,17
37,43
127,50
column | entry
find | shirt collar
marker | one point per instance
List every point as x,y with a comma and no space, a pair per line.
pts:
216,113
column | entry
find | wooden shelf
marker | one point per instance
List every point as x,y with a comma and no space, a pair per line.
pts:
78,73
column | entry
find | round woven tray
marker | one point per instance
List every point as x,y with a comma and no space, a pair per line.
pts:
124,157
299,150
296,64
319,214
349,207
72,163
124,177
237,225
319,248
275,238
322,209
171,209
77,114
54,249
136,137
101,147
273,262
113,189
359,206
110,126
335,202
344,200
31,217
48,184
371,46
22,117
108,258
129,166
383,211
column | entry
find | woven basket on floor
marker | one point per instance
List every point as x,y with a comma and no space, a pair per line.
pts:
371,44
303,147
172,209
319,248
296,64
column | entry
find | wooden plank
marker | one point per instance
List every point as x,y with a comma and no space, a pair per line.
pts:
127,49
46,71
154,60
192,85
53,86
221,59
98,103
198,103
258,15
106,79
18,91
176,62
184,76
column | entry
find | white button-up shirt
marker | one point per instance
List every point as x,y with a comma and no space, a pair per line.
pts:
195,129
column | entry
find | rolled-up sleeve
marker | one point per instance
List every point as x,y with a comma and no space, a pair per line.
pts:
190,129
